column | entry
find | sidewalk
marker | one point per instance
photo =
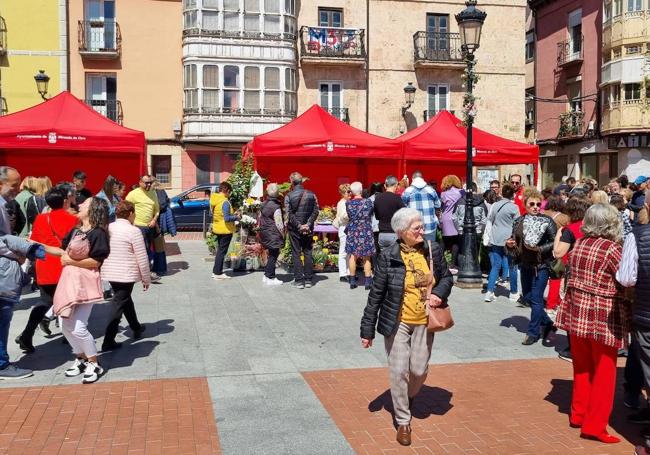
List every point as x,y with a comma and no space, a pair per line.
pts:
264,352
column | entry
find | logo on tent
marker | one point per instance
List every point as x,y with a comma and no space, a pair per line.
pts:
51,138
330,146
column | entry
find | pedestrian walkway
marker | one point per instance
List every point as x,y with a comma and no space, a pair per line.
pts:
264,354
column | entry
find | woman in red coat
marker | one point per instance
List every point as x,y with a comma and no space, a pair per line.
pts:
595,314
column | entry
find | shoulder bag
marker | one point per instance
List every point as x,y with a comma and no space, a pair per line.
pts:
438,318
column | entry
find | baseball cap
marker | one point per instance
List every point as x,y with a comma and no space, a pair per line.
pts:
640,180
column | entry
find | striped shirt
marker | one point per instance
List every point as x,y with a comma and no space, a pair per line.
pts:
629,267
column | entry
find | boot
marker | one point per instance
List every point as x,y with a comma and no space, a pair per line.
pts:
353,282
368,283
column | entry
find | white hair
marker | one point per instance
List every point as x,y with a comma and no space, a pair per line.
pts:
403,218
356,188
272,190
4,173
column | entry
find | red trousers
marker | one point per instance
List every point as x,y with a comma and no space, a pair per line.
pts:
553,294
594,383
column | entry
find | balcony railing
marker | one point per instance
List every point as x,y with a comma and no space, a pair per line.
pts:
334,43
3,106
111,109
239,112
196,31
3,36
340,113
570,51
428,114
100,39
571,125
437,48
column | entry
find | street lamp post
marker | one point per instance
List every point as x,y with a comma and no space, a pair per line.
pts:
42,81
470,21
409,97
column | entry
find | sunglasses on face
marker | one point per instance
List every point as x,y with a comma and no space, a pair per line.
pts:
534,204
515,183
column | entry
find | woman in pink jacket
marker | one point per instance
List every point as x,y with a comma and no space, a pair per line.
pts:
126,265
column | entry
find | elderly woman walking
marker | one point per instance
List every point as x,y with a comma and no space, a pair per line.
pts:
341,222
404,284
359,242
595,314
271,232
451,196
127,264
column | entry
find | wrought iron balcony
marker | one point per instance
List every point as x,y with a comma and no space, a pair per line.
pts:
3,106
571,125
340,113
111,109
3,36
235,112
430,114
437,49
570,51
100,39
340,45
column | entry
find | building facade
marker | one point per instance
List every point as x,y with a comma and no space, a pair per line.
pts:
33,37
625,84
529,50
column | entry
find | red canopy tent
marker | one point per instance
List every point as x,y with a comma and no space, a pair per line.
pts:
438,147
63,134
326,150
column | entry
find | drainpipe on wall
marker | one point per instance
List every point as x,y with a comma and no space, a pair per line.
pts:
367,65
67,44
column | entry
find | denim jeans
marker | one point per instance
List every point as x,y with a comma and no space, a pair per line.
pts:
6,313
533,283
499,260
148,234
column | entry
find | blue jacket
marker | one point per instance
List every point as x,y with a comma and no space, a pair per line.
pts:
12,248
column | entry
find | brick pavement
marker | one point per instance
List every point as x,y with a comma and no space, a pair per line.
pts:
502,407
171,416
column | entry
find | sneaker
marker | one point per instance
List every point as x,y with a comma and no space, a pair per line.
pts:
565,355
308,284
632,400
44,325
92,373
25,345
298,285
13,372
453,271
528,340
155,277
489,297
223,276
514,297
273,282
78,367
343,279
643,416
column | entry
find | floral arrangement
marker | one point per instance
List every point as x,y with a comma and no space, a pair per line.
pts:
469,77
324,253
248,222
326,215
240,179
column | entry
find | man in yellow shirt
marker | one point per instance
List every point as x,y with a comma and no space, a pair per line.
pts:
147,211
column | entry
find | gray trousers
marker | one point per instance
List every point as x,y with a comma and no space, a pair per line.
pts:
642,337
408,351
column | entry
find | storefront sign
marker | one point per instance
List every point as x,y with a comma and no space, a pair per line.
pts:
628,141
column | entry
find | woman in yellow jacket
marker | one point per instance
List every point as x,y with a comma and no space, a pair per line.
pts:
223,226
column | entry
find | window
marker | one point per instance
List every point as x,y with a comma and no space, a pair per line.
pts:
634,5
618,8
331,98
530,107
252,89
605,96
101,94
328,17
272,18
575,33
615,92
616,53
272,89
191,89
438,98
290,6
631,50
573,93
231,88
290,104
210,88
607,12
632,92
530,45
272,6
210,20
437,34
161,168
202,168
190,14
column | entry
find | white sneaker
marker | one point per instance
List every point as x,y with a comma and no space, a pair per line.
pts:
155,277
273,282
514,297
453,271
223,276
78,367
92,373
489,297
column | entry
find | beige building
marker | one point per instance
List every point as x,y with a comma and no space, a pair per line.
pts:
126,64
356,63
625,84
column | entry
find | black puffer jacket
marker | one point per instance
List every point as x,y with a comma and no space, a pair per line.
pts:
386,295
298,214
270,236
542,254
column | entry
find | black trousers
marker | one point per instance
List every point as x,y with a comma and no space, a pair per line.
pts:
452,243
302,244
223,242
122,304
38,312
269,270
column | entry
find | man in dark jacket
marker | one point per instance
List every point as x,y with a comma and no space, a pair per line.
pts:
301,207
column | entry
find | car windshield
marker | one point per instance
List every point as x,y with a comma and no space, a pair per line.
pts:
198,194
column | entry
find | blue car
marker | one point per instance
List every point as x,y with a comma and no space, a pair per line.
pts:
191,206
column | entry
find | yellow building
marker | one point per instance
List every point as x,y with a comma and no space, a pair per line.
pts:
33,37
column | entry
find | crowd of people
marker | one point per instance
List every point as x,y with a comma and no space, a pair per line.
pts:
78,250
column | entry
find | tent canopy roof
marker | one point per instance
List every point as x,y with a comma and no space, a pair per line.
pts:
445,138
66,123
316,133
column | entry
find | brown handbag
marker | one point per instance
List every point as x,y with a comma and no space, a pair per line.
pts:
438,318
